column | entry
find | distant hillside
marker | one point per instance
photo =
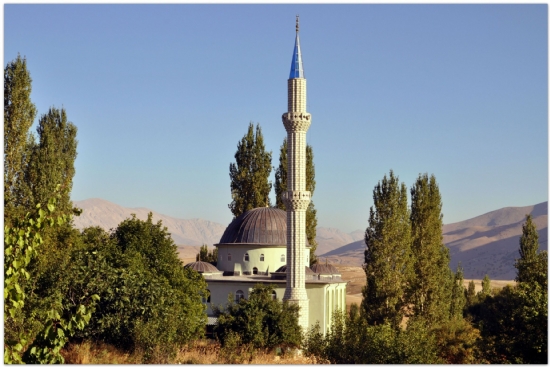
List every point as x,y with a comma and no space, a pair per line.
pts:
487,244
329,239
185,232
188,234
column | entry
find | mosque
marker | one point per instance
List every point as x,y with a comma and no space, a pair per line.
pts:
268,245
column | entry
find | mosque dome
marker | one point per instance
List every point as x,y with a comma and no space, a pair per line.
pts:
282,269
325,269
265,226
202,267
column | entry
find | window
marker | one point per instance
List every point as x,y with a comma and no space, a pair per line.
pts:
246,257
282,258
273,295
239,295
229,256
206,297
255,271
262,257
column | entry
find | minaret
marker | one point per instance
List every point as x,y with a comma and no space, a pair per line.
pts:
296,199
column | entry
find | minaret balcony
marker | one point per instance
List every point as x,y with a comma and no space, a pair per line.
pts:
296,121
297,200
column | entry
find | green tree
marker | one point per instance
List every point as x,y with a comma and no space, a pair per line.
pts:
514,325
281,187
36,334
529,264
458,296
19,114
249,174
148,299
260,321
471,298
206,256
52,159
485,288
430,287
350,340
388,259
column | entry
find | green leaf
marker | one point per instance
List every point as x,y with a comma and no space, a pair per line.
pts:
51,207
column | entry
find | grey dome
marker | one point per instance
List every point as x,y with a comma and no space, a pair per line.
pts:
259,225
324,269
202,267
282,269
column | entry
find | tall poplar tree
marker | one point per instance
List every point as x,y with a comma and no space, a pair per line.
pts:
430,288
52,159
532,265
249,174
388,259
458,294
281,187
19,114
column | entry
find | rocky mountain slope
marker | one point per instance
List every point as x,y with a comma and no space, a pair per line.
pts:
486,244
188,234
329,239
185,232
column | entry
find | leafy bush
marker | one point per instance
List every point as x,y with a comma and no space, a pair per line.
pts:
149,301
259,321
350,340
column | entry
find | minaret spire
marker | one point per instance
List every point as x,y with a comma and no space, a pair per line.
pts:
296,68
296,122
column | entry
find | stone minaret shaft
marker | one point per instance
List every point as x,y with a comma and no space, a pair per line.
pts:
296,122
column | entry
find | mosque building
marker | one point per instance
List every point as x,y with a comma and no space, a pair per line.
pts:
268,245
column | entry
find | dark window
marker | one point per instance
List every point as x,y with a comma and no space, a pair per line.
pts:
273,295
246,258
255,271
229,256
239,295
262,257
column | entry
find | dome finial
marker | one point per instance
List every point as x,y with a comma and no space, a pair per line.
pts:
297,23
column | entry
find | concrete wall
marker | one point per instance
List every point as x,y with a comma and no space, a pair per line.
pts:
324,298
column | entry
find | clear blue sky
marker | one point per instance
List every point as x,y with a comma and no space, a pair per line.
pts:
161,94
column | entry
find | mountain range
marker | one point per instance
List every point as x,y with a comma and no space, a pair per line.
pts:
486,244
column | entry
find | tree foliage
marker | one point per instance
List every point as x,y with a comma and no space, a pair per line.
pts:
388,259
351,340
514,325
260,321
52,158
430,287
148,298
530,265
514,322
458,296
206,256
34,334
249,174
19,114
281,187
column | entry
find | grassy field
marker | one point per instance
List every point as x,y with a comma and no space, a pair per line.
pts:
356,281
200,352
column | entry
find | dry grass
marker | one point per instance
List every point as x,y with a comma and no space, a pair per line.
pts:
199,352
98,353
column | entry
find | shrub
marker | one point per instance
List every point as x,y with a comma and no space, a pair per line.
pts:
259,321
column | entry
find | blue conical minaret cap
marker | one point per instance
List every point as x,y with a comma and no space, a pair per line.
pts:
296,68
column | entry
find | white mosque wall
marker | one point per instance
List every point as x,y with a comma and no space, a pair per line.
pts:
273,258
324,298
